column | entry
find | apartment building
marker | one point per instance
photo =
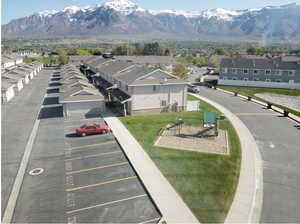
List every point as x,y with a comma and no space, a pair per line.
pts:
272,73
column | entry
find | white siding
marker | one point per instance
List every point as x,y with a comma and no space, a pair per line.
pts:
9,94
84,108
143,97
259,84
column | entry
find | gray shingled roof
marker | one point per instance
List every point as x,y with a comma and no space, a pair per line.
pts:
74,83
5,84
133,73
272,64
166,60
111,67
68,95
13,77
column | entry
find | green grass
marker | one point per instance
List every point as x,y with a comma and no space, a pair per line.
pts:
251,91
206,182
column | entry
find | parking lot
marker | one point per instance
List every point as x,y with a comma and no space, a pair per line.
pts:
84,180
101,185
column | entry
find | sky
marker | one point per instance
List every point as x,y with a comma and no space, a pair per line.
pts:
12,9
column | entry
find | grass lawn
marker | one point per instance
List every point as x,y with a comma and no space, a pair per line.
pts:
206,182
251,91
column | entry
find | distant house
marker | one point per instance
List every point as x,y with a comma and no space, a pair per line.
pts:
7,91
273,73
78,96
17,80
141,88
10,60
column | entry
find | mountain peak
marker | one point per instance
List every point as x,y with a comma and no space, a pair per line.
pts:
123,6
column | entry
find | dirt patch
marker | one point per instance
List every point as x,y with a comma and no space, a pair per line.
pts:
194,139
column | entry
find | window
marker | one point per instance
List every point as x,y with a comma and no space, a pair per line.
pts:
91,127
245,71
278,80
291,73
234,71
163,103
255,72
268,80
256,79
268,72
234,78
224,70
127,88
224,77
246,79
155,88
277,72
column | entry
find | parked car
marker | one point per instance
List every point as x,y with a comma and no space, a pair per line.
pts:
193,89
90,129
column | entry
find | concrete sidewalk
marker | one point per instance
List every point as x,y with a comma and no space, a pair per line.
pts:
172,207
247,203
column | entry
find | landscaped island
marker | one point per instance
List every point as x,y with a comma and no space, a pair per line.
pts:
206,182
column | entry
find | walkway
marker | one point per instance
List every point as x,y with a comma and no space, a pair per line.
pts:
173,209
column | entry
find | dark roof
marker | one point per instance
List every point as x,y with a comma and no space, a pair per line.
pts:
166,60
71,95
134,72
272,64
111,67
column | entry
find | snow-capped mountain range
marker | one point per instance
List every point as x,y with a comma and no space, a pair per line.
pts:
124,17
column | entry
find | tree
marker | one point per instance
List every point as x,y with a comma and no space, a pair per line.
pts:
167,52
63,58
252,50
220,51
82,52
160,66
180,71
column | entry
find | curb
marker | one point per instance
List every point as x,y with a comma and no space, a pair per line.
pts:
247,203
274,108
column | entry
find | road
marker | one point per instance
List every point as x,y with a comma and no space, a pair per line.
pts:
278,140
84,180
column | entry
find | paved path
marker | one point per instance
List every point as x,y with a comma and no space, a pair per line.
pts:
278,140
18,118
173,208
247,203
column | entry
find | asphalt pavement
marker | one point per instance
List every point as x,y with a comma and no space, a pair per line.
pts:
278,139
83,179
18,117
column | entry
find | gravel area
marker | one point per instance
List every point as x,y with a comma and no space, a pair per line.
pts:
292,102
186,140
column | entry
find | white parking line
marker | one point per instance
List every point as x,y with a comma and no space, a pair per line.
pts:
107,203
151,220
91,156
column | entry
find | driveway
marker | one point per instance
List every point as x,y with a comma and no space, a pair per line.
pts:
278,140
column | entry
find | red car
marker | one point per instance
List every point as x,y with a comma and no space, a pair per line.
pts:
89,129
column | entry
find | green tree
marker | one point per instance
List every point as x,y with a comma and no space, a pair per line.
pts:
82,52
167,52
63,58
252,50
220,51
180,71
160,66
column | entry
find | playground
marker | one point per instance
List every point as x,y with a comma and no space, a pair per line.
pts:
207,138
205,181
